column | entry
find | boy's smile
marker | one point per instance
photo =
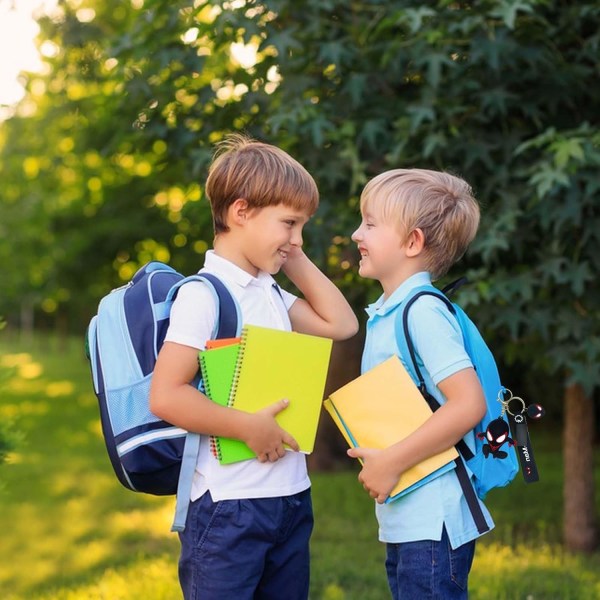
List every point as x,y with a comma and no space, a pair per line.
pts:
383,253
379,246
271,236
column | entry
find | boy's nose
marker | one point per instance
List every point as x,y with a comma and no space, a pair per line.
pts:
297,240
356,235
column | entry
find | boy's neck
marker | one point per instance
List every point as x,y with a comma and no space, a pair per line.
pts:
391,284
229,251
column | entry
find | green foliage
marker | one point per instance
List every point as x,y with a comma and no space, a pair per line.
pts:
500,92
9,437
81,535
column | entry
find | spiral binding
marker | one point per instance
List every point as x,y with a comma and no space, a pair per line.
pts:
214,442
238,367
215,446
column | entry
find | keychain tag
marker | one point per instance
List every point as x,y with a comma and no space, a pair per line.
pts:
517,419
525,453
521,432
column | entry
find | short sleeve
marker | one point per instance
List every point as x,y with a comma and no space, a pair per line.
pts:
288,298
193,316
437,339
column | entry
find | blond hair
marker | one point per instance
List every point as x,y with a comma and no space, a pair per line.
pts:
440,204
262,174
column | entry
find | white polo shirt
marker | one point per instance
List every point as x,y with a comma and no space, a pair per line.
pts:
192,322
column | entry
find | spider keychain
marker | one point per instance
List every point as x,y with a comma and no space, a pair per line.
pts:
517,418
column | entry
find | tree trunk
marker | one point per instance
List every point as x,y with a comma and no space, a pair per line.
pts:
580,532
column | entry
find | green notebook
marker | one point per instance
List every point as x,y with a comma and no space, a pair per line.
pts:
218,367
272,364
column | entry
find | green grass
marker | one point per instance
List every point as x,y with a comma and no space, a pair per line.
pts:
71,532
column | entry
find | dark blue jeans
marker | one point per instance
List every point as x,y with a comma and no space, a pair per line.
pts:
429,570
247,549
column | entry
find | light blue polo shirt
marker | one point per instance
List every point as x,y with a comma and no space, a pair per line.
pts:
422,514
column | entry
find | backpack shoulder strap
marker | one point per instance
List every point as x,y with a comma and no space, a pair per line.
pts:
229,319
229,324
403,339
407,349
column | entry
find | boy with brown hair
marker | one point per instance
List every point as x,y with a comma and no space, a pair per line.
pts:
415,225
249,523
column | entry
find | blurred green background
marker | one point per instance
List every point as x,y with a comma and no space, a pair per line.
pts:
103,163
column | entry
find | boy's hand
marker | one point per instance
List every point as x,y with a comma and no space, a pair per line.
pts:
266,438
295,254
378,475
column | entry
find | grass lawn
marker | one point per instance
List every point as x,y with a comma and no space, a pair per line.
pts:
71,532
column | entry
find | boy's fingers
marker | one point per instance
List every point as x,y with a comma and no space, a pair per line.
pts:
290,441
278,406
355,453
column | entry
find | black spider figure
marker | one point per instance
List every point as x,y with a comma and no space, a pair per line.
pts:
496,435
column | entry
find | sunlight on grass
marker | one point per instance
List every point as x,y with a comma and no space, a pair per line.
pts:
23,408
91,554
59,388
333,592
26,367
154,578
530,570
95,427
70,531
156,522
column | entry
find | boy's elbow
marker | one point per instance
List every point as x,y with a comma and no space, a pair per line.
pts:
348,328
352,328
157,403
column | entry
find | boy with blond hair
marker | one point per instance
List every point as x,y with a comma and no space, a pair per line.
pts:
249,523
415,225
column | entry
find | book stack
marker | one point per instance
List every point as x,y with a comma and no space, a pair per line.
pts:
260,368
382,407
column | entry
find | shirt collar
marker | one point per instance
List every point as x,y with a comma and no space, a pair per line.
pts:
382,306
221,266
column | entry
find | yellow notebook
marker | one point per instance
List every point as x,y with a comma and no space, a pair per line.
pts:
274,364
382,407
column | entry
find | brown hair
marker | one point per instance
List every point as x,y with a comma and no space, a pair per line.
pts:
262,174
440,204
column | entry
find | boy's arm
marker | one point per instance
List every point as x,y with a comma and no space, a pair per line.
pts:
464,407
323,311
174,400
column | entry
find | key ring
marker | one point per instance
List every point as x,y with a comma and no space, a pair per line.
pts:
506,403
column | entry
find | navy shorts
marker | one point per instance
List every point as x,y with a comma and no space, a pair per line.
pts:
247,549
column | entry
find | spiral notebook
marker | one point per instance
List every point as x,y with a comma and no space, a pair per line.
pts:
271,364
382,407
217,364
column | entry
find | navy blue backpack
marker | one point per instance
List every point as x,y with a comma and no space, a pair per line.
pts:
123,340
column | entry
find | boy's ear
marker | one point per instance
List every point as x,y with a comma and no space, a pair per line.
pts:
415,242
238,211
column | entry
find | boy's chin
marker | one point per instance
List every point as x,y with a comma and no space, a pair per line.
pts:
364,272
271,269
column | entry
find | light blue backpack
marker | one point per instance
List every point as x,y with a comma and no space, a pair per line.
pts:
122,343
490,468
